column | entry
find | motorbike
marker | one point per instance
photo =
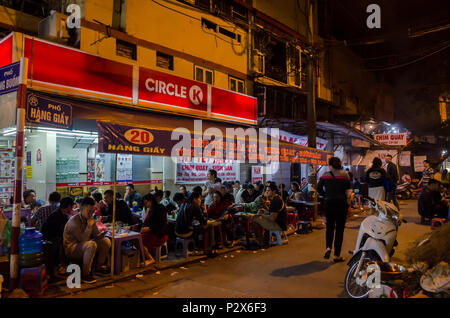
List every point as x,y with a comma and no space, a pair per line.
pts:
403,191
375,243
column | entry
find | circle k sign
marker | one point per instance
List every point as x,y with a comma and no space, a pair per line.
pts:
196,95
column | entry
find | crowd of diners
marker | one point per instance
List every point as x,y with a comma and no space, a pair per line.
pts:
71,231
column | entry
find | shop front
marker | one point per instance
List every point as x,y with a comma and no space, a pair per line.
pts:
65,101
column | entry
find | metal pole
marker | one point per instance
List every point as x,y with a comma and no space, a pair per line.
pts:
114,217
311,101
18,182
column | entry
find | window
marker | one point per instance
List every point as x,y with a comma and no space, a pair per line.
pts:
126,49
164,60
239,12
236,85
230,34
203,75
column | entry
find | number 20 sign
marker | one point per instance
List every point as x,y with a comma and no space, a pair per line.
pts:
139,136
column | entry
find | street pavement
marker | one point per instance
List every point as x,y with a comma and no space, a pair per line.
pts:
289,271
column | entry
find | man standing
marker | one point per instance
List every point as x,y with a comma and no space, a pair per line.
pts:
132,196
83,240
212,185
428,174
392,175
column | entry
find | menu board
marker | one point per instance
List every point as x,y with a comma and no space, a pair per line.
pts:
195,170
6,173
124,167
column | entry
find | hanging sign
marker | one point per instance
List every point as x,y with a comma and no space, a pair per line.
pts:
257,174
392,139
9,78
48,112
115,138
195,170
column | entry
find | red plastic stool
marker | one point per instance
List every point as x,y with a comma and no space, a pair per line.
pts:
437,222
34,280
293,218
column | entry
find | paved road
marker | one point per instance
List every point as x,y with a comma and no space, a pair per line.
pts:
294,270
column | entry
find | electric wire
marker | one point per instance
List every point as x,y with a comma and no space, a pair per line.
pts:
408,63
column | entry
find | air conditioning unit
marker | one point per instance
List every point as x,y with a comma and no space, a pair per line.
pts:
258,65
54,28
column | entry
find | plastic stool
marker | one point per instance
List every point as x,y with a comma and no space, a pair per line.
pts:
159,254
34,280
278,241
293,218
184,242
437,222
304,227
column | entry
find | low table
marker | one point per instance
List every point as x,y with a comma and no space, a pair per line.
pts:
118,239
23,213
245,217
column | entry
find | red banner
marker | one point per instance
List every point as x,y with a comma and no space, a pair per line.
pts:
172,90
73,69
6,50
63,69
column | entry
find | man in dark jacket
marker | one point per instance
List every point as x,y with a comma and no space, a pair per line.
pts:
53,230
123,212
189,212
430,202
392,175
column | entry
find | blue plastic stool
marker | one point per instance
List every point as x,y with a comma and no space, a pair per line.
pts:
159,252
279,240
184,242
304,227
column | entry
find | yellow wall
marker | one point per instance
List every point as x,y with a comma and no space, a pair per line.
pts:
18,19
148,21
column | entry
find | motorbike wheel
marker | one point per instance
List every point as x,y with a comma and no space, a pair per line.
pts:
352,288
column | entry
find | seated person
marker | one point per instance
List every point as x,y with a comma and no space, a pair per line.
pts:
260,202
53,230
183,191
250,194
132,196
159,195
30,202
218,210
227,196
283,193
295,187
99,203
190,211
43,212
276,220
430,202
123,212
154,230
82,240
179,198
168,203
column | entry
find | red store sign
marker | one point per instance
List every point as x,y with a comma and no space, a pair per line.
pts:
63,69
